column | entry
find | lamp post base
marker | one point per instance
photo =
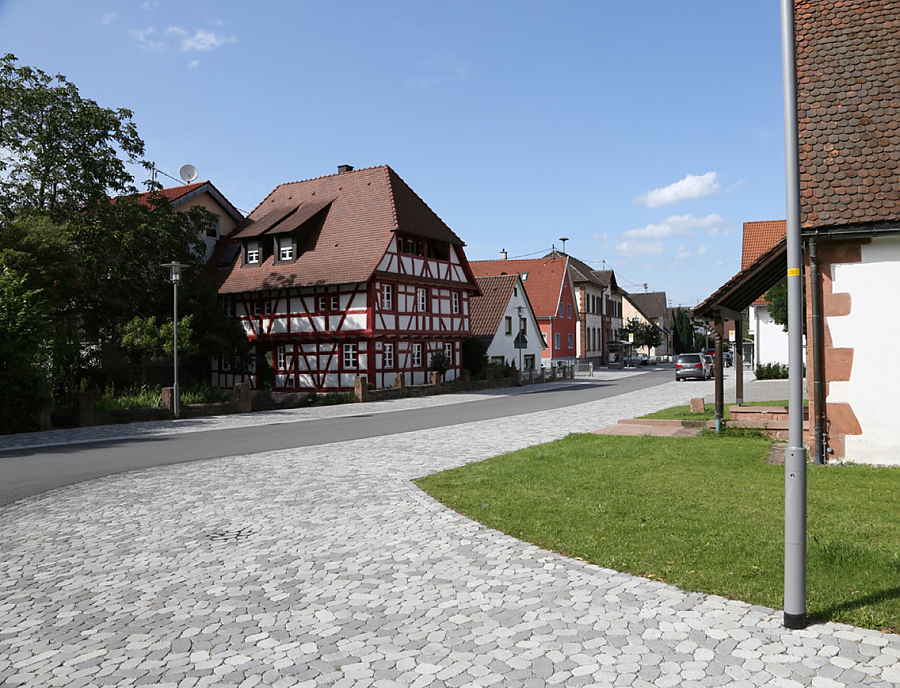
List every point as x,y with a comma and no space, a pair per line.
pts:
794,622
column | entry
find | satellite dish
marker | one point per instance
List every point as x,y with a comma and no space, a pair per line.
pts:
188,173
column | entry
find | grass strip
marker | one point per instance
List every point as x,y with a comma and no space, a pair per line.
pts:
703,513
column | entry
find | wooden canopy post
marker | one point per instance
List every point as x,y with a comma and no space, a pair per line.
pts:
718,336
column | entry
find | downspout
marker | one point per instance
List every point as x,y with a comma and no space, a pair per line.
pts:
818,358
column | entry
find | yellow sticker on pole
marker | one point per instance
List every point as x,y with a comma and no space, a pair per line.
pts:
793,272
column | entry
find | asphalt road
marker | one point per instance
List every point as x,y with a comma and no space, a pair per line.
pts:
28,472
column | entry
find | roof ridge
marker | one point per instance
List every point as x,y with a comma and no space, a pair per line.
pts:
313,179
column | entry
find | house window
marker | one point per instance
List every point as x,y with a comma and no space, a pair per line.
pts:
335,303
256,308
508,321
422,296
285,248
569,311
350,356
448,349
281,358
212,231
226,363
289,381
387,297
455,302
388,356
252,253
417,355
516,291
267,308
322,303
571,340
556,340
498,360
523,326
528,363
229,307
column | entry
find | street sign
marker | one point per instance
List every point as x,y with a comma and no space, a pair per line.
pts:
521,341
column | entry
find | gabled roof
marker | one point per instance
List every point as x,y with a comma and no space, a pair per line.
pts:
486,311
544,281
355,216
848,92
579,270
606,278
652,304
759,238
180,195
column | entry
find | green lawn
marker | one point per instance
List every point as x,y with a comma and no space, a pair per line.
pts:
703,513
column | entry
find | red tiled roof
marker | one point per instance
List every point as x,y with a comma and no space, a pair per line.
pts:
487,310
848,93
759,238
179,194
349,237
544,282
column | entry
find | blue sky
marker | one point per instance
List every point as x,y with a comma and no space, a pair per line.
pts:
646,131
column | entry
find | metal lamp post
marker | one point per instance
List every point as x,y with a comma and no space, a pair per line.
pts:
520,309
175,279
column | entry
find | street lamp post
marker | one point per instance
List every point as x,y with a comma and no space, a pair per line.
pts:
175,279
520,309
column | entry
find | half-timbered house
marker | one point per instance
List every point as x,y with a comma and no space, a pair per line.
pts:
345,275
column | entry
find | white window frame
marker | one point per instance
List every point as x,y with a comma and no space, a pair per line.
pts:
422,299
229,307
285,248
388,357
252,254
322,303
267,308
456,303
417,355
256,308
336,303
508,325
350,356
281,358
387,297
448,350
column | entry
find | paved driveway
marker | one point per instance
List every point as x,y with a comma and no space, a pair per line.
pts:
326,566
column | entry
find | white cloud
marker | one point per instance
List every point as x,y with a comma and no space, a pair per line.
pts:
106,19
200,40
720,263
194,64
676,225
146,38
149,5
692,186
632,249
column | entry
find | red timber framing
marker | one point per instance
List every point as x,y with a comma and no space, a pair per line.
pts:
352,275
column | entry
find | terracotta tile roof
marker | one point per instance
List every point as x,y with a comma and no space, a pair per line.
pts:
345,242
759,238
580,271
544,281
848,108
487,310
177,195
653,304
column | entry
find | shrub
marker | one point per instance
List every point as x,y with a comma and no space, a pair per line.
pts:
771,371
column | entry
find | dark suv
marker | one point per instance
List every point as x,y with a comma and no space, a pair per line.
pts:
692,365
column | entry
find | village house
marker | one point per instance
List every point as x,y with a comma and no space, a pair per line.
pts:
650,308
342,276
503,319
551,293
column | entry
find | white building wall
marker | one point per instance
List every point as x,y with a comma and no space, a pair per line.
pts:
770,339
503,344
871,328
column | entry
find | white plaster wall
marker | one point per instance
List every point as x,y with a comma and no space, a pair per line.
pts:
502,345
871,330
771,341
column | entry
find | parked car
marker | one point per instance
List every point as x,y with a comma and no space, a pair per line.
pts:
712,364
728,359
694,366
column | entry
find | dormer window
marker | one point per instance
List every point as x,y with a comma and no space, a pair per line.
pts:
251,253
285,248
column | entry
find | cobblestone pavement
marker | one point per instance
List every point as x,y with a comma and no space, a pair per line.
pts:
326,566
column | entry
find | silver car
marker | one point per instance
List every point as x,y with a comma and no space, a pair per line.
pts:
694,366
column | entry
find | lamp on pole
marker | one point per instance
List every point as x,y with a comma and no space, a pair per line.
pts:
175,279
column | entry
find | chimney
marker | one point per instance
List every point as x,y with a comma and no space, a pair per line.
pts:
503,254
344,168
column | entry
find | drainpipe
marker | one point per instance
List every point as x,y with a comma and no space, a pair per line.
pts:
818,358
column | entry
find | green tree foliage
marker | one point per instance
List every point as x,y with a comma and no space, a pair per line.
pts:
474,355
777,297
683,339
89,267
646,335
440,362
58,151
